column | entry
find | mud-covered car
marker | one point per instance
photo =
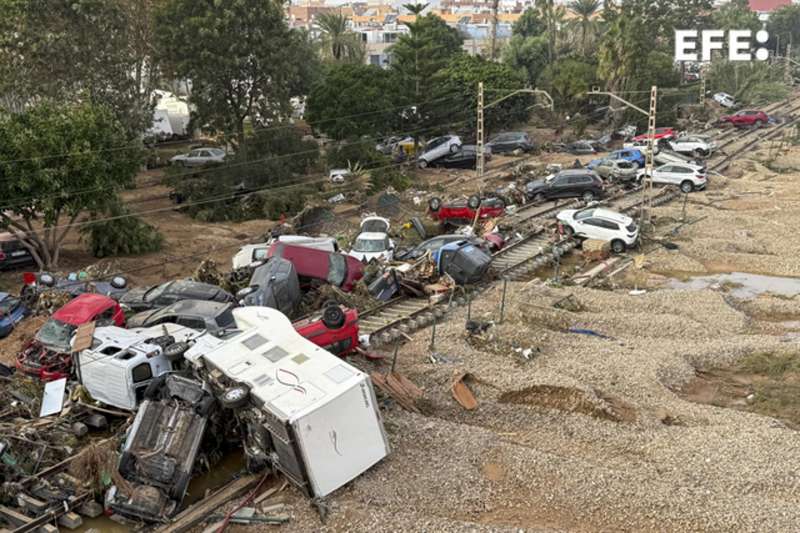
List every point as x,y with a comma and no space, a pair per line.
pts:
74,284
463,261
162,447
274,284
48,356
144,298
213,317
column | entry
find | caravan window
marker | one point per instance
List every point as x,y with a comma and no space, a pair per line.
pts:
142,372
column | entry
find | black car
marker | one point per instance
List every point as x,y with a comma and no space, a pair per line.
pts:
465,157
214,317
517,142
273,284
170,292
575,183
12,253
580,148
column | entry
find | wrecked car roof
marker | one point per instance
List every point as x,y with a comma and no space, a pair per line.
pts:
83,308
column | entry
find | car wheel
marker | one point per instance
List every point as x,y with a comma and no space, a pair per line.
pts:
617,246
474,201
568,231
174,352
588,196
119,282
422,163
700,153
758,124
687,187
454,148
434,204
539,198
235,397
333,317
517,152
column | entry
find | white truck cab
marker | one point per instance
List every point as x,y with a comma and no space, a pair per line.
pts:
255,253
121,363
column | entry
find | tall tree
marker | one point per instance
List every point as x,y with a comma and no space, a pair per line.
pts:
784,27
553,17
243,60
99,51
353,100
338,42
567,81
528,55
417,58
530,24
57,163
586,11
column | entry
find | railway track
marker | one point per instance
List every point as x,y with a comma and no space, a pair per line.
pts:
541,246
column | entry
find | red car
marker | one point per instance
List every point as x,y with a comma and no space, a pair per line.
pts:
661,133
335,268
746,118
336,329
48,355
463,211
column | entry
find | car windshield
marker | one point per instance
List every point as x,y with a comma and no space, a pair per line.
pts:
8,305
584,214
56,334
369,245
155,292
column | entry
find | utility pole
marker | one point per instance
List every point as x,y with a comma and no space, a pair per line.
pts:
495,5
479,135
703,88
787,68
481,108
651,133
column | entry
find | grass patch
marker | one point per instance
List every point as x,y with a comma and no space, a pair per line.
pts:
771,365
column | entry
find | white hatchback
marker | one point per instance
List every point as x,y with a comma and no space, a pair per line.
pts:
438,148
724,99
601,224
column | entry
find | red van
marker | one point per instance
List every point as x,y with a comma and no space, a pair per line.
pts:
48,355
335,268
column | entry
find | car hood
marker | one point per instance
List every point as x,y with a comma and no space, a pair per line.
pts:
566,215
134,296
140,319
536,184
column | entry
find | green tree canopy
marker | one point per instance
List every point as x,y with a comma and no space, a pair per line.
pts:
528,55
784,27
567,81
55,164
338,42
95,51
352,100
530,24
243,60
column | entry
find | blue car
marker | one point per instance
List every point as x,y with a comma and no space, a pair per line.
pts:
628,154
12,311
464,261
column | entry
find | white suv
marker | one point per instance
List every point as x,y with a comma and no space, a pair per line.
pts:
373,242
698,145
601,224
688,176
437,148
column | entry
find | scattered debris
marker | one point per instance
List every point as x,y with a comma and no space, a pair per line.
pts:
400,388
462,393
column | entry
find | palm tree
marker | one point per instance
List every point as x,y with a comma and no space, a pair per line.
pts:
586,10
338,42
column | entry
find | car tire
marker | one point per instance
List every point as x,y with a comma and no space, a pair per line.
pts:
474,201
434,204
174,352
758,124
517,152
422,163
568,231
454,148
235,397
587,196
539,198
119,282
687,187
700,153
333,317
617,246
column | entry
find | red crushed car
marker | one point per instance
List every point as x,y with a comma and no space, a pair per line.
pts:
48,355
462,211
661,133
337,269
336,329
746,118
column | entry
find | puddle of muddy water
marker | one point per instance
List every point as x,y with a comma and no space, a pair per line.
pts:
741,284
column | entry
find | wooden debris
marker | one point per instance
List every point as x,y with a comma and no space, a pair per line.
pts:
462,393
400,388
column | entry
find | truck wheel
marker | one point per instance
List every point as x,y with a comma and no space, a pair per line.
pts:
687,187
617,246
474,201
174,352
434,204
235,397
333,317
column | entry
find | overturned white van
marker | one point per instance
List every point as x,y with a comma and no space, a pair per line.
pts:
306,412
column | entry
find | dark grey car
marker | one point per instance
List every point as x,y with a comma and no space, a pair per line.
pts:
214,317
168,293
273,284
517,142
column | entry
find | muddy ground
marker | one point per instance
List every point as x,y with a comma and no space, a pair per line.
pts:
672,410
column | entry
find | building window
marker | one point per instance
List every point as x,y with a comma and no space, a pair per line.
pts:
375,59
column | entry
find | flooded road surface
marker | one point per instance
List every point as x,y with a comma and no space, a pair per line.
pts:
741,284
